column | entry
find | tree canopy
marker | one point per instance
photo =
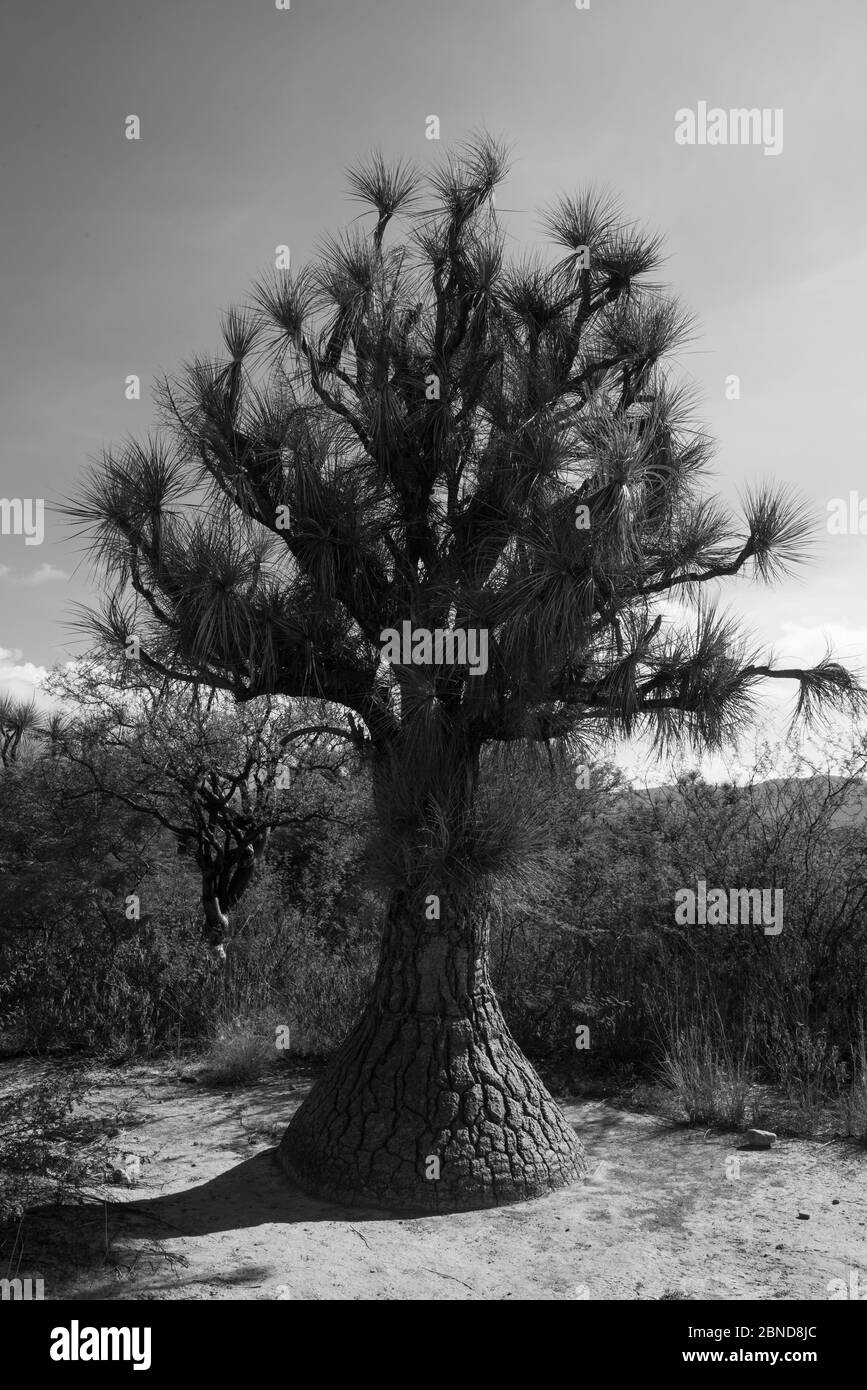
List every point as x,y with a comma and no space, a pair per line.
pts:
429,429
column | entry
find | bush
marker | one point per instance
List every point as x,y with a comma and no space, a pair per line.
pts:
710,1083
239,1056
855,1101
589,940
41,1152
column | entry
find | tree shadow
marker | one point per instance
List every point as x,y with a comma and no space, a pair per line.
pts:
255,1192
105,1249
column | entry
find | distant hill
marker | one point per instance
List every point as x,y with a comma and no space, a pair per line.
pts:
851,808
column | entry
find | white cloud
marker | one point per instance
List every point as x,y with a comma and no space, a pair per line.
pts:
44,575
800,643
22,679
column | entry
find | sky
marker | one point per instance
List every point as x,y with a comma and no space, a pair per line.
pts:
117,255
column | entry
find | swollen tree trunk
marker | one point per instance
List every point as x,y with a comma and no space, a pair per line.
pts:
429,1104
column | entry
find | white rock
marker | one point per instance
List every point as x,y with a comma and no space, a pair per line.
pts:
132,1168
127,1173
760,1138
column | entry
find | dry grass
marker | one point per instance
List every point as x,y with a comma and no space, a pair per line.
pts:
711,1083
240,1055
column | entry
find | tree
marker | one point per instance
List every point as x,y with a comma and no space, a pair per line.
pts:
213,773
20,722
492,453
65,861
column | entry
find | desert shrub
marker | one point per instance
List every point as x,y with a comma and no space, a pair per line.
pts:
601,946
811,1070
854,1100
710,1082
42,1156
239,1055
289,972
84,977
589,940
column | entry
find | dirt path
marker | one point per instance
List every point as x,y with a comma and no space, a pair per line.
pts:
663,1215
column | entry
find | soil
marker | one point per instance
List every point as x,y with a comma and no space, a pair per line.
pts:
668,1212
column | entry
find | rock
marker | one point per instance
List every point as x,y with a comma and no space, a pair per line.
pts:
835,1201
126,1173
760,1138
132,1168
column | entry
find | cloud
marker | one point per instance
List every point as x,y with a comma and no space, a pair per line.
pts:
22,679
10,653
804,644
44,575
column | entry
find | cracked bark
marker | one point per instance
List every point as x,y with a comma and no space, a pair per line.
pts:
431,1071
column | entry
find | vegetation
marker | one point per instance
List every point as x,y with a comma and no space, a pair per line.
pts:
423,432
729,1024
413,437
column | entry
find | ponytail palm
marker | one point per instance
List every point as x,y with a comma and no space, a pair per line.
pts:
423,428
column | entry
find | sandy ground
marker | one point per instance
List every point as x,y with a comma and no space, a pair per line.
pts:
666,1213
